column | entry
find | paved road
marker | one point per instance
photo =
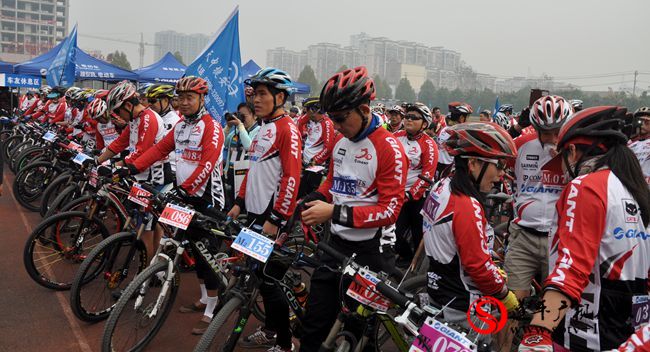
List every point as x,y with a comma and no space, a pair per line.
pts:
35,318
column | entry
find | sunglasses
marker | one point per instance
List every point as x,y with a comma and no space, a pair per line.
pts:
152,100
413,117
313,108
340,117
499,163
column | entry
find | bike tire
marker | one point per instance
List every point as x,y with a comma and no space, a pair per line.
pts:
40,238
55,187
26,156
89,273
126,301
63,198
9,143
219,321
20,188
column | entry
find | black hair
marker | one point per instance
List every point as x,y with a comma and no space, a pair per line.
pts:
625,165
247,105
461,181
434,108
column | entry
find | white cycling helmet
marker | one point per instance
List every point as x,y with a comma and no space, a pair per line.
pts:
423,110
550,112
502,120
122,92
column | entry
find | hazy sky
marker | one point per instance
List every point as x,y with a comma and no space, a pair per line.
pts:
505,38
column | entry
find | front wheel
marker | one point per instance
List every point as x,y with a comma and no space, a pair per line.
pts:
222,325
30,183
141,310
104,274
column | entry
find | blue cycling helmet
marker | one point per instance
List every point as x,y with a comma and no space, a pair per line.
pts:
272,77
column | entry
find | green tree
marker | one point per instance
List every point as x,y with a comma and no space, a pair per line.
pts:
404,91
307,76
427,93
179,57
342,68
119,59
382,88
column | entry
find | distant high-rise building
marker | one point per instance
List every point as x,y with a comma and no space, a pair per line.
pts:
30,28
188,45
327,58
288,60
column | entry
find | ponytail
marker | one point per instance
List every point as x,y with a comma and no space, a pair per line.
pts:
625,165
461,182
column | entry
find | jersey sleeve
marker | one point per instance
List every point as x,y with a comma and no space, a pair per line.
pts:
325,187
290,147
31,108
582,213
99,140
155,153
147,130
390,181
327,137
212,143
468,225
122,142
429,160
42,111
59,113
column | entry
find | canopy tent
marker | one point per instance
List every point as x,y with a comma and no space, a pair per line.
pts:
166,70
250,68
87,67
6,67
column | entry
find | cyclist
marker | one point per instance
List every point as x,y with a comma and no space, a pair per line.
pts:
599,246
641,145
105,130
294,113
458,113
437,124
362,194
268,192
54,109
395,116
536,193
29,102
198,141
422,153
41,99
317,147
502,120
159,97
484,116
460,265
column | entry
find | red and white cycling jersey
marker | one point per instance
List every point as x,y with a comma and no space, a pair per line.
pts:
422,153
26,104
170,119
105,134
600,257
366,184
274,173
319,141
138,136
536,190
457,241
443,156
641,149
198,147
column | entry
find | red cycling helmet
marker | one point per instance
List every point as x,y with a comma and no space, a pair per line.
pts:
482,139
347,90
550,112
192,84
101,93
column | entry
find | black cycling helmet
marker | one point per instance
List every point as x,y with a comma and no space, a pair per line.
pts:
347,90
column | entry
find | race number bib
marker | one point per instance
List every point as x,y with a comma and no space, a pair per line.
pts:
177,216
363,290
437,337
640,310
92,178
49,136
253,245
80,158
139,196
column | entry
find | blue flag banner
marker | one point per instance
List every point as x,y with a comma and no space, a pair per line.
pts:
62,69
496,107
20,81
220,65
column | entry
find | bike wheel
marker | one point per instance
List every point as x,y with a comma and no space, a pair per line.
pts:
222,325
55,248
66,196
30,183
53,189
137,316
9,144
16,151
26,156
104,274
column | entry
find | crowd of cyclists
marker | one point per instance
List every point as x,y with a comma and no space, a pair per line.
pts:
391,182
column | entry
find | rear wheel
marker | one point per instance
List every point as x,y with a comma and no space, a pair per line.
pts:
53,189
222,325
30,183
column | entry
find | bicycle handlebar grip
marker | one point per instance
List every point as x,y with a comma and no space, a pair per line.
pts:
214,213
425,179
392,294
148,188
332,252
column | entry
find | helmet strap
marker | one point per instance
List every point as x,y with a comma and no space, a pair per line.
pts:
364,122
479,179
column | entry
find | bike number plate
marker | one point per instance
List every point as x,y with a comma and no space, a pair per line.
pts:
177,216
80,158
640,310
49,136
75,146
139,196
438,337
92,179
363,290
253,245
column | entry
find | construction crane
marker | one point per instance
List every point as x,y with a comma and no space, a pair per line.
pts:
141,43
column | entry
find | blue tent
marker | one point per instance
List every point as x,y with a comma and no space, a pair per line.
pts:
167,70
6,67
250,68
88,67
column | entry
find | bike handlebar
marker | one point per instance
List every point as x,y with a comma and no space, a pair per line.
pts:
340,257
393,294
